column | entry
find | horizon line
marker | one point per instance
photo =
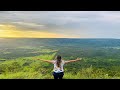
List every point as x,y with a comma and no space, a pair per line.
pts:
56,38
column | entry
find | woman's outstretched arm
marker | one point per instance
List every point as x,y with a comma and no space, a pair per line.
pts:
49,61
78,59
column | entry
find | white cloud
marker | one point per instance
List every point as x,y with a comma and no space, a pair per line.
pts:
65,21
59,17
28,24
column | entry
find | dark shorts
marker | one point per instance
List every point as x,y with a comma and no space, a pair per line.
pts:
58,75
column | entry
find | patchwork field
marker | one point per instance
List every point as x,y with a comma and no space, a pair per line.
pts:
18,58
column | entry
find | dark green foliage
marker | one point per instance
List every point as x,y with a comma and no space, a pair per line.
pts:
101,57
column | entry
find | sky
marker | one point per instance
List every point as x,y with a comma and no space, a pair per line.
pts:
60,24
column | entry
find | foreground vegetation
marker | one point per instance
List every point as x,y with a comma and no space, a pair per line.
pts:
101,58
30,68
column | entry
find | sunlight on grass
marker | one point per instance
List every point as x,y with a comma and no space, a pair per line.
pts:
30,68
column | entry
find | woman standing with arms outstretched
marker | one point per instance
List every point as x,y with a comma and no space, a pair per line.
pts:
58,71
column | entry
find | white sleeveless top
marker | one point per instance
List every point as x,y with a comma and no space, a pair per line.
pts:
58,69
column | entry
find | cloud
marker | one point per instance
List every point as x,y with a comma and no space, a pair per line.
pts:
110,17
28,26
56,17
88,23
59,17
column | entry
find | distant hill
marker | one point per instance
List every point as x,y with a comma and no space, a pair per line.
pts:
12,42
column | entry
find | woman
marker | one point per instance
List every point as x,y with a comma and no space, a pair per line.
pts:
58,70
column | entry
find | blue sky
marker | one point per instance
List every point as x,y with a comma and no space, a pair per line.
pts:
71,24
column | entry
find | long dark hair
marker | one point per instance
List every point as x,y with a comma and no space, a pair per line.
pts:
58,60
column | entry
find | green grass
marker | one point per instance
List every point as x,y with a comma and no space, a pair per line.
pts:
101,58
26,68
29,68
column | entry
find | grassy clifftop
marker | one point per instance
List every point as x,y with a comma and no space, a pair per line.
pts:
30,68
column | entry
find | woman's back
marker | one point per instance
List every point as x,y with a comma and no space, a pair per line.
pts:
60,68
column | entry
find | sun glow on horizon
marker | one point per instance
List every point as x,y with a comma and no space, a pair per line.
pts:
13,32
